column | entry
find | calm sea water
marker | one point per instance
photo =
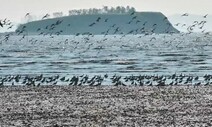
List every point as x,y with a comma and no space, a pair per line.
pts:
98,55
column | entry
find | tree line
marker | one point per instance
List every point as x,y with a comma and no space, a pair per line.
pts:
91,11
104,10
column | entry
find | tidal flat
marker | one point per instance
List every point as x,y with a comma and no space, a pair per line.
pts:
103,106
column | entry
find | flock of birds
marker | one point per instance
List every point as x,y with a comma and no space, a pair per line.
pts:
113,29
6,22
196,24
97,80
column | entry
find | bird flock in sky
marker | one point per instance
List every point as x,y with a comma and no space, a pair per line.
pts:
115,28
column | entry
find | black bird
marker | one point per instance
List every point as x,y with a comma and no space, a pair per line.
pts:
165,18
38,84
197,84
177,24
196,78
105,76
62,79
129,22
74,80
38,29
183,25
145,23
77,34
4,21
132,13
170,84
205,16
98,19
40,33
92,24
46,16
138,21
154,25
134,17
47,27
2,83
116,30
10,27
186,14
113,25
7,37
27,14
1,24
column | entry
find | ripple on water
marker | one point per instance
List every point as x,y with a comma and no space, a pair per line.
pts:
51,57
172,54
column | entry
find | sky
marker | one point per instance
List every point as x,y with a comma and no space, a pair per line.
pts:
15,10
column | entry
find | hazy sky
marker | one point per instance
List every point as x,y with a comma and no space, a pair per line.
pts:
16,9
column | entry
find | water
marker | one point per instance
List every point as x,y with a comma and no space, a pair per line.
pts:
98,55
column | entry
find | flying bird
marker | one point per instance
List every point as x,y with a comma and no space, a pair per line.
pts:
177,24
38,29
205,16
27,14
183,25
46,16
138,21
5,21
92,24
186,14
154,25
165,18
98,19
153,38
116,30
129,22
113,25
10,27
1,24
134,17
145,23
132,13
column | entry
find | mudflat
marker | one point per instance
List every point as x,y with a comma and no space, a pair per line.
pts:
67,106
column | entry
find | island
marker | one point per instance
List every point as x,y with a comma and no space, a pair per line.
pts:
101,24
